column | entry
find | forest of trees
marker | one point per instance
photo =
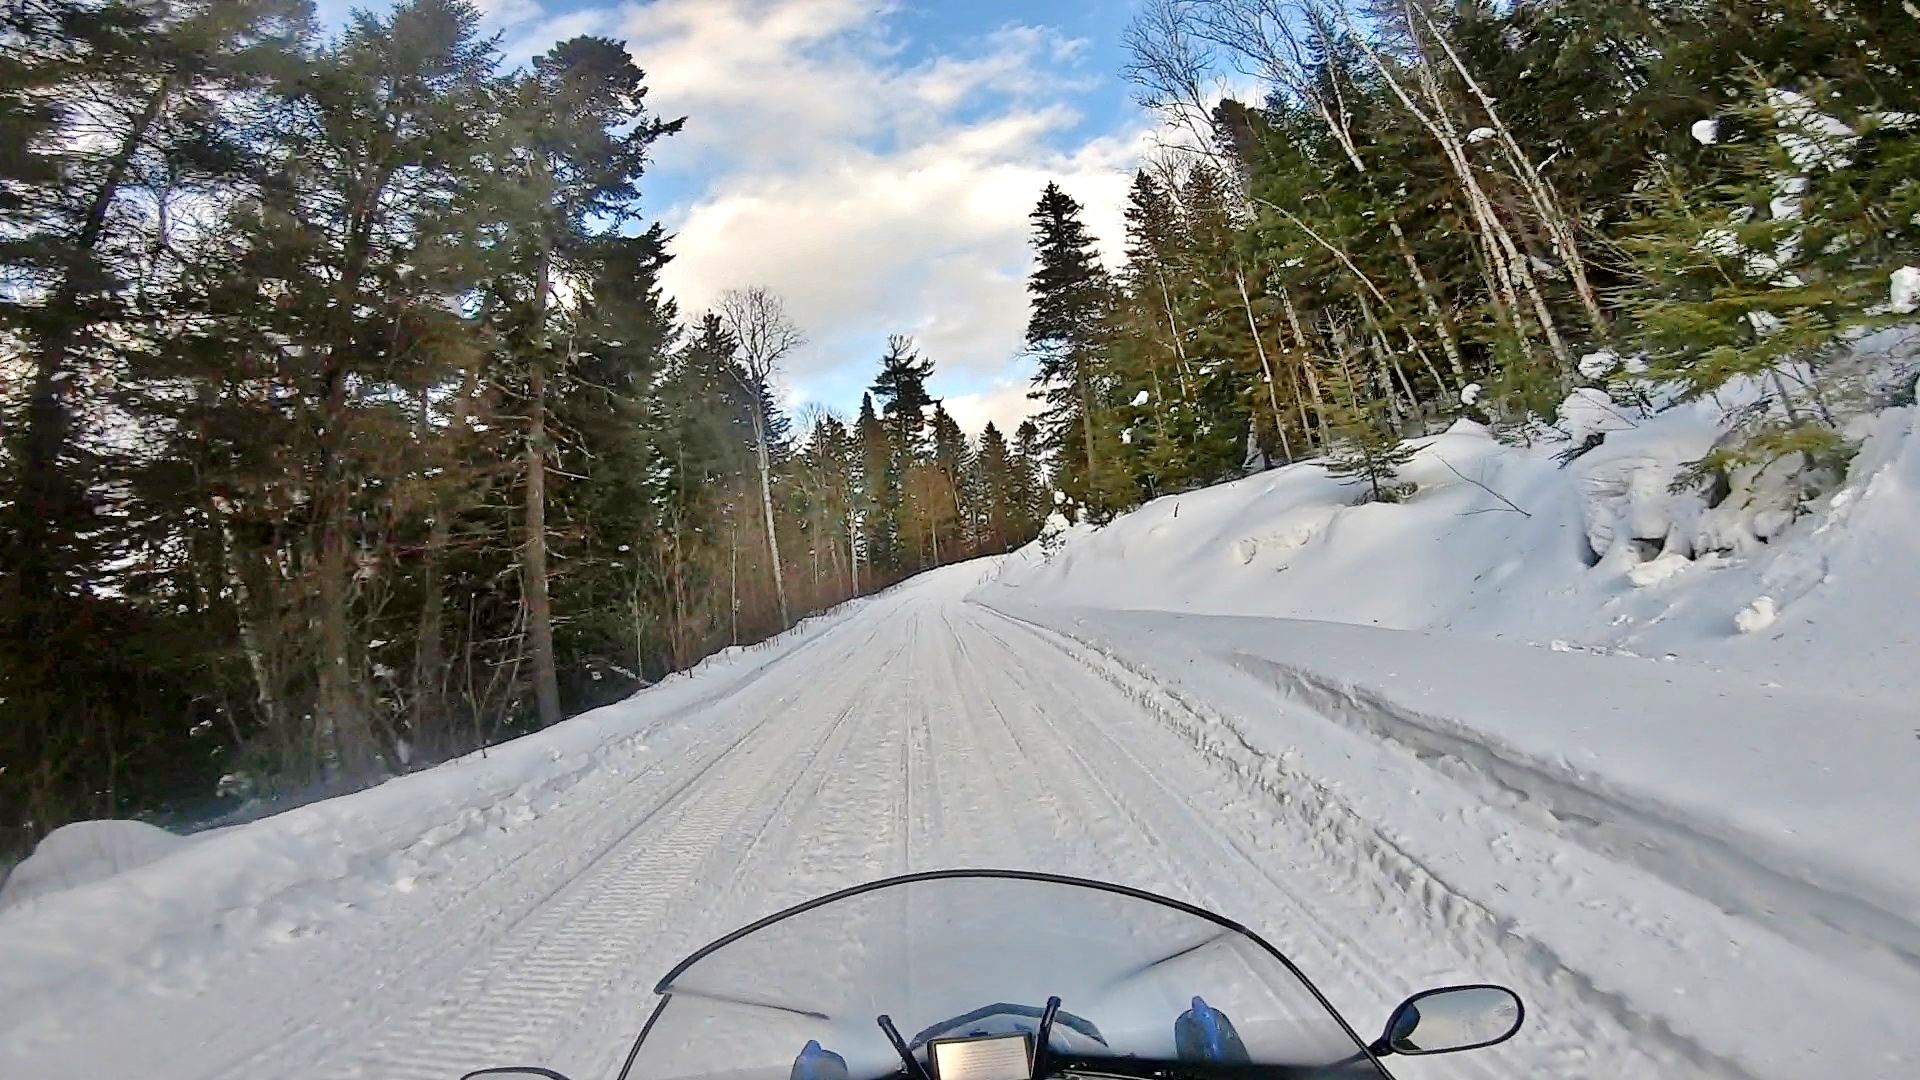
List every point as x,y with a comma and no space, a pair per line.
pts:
1475,209
346,428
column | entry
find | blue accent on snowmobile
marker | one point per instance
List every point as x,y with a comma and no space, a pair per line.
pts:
815,1063
1203,1033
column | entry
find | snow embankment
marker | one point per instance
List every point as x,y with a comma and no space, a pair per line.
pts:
143,902
85,852
1506,543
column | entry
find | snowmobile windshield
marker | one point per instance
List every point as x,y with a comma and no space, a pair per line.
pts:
1147,987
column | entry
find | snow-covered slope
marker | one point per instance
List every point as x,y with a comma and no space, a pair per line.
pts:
1501,543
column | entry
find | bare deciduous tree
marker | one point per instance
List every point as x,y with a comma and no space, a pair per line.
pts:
758,322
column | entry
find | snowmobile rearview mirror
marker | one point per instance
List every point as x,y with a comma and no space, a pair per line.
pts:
518,1070
1451,1018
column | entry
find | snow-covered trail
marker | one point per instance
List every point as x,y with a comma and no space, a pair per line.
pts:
918,731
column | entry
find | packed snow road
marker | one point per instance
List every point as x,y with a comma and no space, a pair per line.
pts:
529,919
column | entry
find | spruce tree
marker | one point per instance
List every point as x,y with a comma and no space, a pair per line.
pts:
1362,444
997,491
880,494
1028,500
901,387
1066,334
954,460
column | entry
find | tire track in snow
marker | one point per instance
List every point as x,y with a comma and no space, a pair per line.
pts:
486,937
1808,911
500,876
609,922
1593,1032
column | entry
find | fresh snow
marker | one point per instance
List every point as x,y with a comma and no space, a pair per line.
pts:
1589,411
1597,364
1904,290
1648,760
1756,616
1810,137
84,852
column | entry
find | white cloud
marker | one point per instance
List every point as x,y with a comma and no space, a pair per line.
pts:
873,193
1004,404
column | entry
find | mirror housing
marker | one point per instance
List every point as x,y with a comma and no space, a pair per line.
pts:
517,1070
1451,1018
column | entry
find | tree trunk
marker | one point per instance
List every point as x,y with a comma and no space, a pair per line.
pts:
1173,327
341,708
432,736
1086,419
1559,228
1441,324
533,560
766,498
1266,366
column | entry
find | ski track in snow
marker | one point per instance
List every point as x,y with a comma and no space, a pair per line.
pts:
918,731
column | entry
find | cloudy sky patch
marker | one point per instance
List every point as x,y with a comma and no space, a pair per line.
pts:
873,162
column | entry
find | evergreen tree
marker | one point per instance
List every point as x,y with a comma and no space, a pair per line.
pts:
106,108
880,494
996,490
1028,500
578,132
1362,442
901,387
1067,335
954,461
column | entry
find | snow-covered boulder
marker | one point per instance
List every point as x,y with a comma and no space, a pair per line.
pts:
1590,411
1756,616
1904,290
85,852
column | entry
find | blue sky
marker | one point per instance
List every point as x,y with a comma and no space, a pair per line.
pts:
873,161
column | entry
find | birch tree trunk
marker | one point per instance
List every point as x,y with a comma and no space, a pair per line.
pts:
1266,366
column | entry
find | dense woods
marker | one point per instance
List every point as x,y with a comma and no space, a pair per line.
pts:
1539,215
347,428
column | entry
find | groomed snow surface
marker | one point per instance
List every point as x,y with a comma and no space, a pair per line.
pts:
1651,762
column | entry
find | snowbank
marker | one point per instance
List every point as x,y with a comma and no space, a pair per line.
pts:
84,852
111,900
1507,543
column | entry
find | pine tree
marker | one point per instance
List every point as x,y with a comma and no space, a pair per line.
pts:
901,387
1362,442
954,460
996,486
880,495
579,133
1028,500
106,108
1066,333
1767,271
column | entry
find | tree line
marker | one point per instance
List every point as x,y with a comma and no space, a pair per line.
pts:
347,427
1477,209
